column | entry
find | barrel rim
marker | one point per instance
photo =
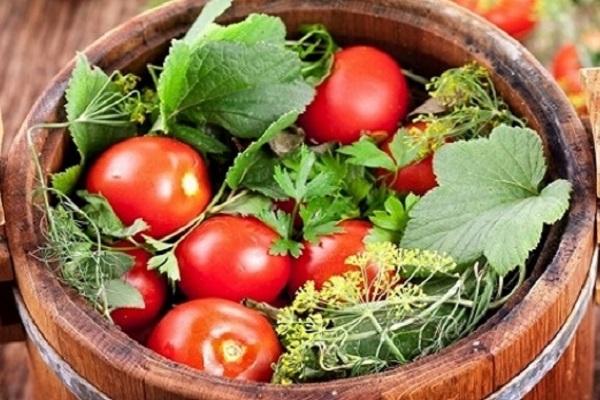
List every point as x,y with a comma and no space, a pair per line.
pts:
151,368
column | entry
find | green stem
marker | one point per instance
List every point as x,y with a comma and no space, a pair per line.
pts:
522,275
38,165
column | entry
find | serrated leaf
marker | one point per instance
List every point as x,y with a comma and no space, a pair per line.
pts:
404,149
278,220
211,11
87,85
259,176
282,247
286,183
366,153
489,201
256,28
242,88
198,139
321,216
103,216
91,99
66,180
166,264
156,245
120,294
244,161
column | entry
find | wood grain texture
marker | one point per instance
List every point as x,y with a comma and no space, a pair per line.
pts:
37,37
426,35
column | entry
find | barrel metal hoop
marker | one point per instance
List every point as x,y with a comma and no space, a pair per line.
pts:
77,385
515,389
524,382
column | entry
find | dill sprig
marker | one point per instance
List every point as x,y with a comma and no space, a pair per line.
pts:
359,323
473,107
74,248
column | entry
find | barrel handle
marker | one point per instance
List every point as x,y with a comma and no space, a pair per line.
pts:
591,82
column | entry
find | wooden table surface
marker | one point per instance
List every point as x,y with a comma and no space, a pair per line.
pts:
38,37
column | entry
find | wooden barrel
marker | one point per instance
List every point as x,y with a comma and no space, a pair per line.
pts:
540,343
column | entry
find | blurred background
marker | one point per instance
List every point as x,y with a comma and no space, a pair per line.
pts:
38,37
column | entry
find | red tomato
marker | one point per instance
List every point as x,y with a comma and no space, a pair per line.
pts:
219,337
366,91
228,257
516,17
566,70
153,289
418,177
321,261
161,180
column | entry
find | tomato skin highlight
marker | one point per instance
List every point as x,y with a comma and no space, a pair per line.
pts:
321,261
228,257
219,337
515,17
366,91
161,180
153,289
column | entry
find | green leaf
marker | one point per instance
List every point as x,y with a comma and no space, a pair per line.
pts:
66,180
489,201
97,117
157,245
316,48
244,161
366,153
211,11
259,176
281,222
249,205
393,218
321,216
89,91
243,88
256,28
300,183
278,220
201,141
166,264
390,223
103,216
120,294
405,150
283,247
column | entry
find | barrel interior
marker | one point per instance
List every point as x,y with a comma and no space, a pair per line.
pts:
426,36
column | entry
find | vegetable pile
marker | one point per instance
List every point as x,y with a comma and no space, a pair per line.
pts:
267,209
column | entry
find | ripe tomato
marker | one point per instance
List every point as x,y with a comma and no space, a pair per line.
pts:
417,177
161,180
565,68
321,261
153,289
366,91
219,337
228,257
516,17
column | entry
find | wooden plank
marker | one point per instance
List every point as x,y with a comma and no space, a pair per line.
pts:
38,37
